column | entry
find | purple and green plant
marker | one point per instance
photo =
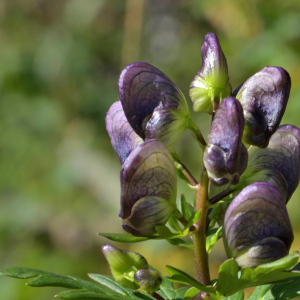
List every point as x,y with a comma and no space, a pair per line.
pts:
251,168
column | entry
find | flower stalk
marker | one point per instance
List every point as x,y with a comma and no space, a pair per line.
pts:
199,238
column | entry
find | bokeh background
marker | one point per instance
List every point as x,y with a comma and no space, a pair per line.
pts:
59,66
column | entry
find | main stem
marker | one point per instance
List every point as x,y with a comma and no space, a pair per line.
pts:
199,238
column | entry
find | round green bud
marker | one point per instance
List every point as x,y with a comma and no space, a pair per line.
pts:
148,280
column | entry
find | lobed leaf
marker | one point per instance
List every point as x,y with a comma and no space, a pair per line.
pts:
181,277
84,289
232,278
285,291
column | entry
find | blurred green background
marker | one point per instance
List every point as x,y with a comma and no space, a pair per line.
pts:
59,66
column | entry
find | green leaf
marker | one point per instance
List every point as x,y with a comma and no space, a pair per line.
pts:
166,289
228,278
180,242
237,296
181,277
181,292
231,279
109,282
284,263
284,291
260,292
193,219
164,232
191,293
173,222
85,295
184,207
84,289
123,238
43,278
213,238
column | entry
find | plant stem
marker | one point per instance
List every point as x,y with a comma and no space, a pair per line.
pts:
192,126
156,296
199,238
221,195
186,173
181,218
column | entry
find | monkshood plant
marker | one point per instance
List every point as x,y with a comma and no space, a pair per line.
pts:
251,168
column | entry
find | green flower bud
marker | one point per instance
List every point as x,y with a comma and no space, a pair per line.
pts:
148,280
123,265
212,82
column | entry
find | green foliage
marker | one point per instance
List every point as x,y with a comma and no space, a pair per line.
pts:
109,288
181,277
237,296
192,220
233,279
260,292
283,291
186,209
212,238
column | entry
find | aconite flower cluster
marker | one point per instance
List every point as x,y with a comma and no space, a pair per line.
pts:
250,168
252,163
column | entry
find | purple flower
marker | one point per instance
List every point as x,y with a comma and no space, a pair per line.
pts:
225,157
122,136
279,163
257,228
148,188
154,106
264,97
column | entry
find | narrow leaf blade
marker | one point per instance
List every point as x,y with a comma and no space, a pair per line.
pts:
123,238
182,277
109,282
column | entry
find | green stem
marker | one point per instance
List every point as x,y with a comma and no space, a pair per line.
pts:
221,195
199,238
185,172
156,296
192,126
181,218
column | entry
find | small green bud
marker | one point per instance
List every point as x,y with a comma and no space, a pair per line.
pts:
148,280
123,265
